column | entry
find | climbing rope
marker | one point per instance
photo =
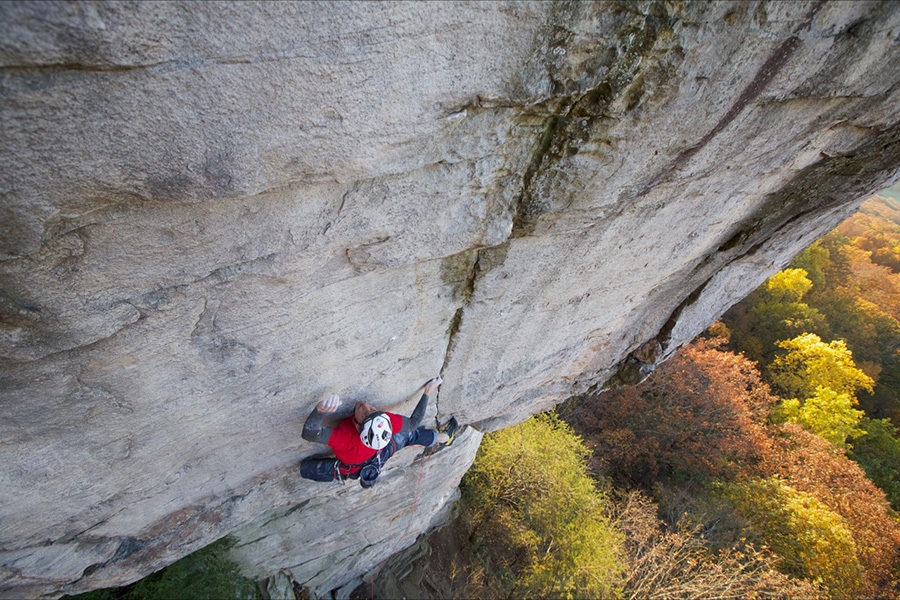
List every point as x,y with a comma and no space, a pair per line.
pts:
415,504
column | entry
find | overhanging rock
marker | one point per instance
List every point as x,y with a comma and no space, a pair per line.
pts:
213,214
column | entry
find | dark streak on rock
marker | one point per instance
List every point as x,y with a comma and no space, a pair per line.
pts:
287,513
464,291
665,334
485,259
129,546
72,66
527,210
821,186
571,121
763,77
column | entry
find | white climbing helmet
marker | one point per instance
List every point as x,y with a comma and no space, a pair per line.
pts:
375,432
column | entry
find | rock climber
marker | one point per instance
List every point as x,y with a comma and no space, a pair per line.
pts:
364,441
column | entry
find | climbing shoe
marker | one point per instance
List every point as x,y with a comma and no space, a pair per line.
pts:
451,429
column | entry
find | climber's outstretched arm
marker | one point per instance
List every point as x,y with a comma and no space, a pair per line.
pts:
313,429
412,422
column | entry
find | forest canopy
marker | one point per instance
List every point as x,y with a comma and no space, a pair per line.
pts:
777,432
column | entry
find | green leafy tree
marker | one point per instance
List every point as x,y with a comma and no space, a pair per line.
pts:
814,261
878,453
773,321
775,311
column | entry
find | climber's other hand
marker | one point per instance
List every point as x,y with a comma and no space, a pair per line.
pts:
329,404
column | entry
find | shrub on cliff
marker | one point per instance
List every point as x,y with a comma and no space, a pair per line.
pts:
207,573
529,494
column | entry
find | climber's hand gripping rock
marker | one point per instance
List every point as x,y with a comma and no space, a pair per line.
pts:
329,404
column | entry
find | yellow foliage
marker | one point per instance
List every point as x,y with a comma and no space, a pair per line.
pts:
828,414
819,381
531,489
811,364
813,541
789,285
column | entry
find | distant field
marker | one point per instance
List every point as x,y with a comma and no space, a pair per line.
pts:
892,192
884,205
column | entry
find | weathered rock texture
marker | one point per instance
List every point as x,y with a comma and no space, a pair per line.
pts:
214,214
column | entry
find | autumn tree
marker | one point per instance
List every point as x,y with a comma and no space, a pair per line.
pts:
810,364
701,415
530,499
789,285
775,311
815,261
843,295
812,465
827,413
701,421
812,540
818,382
666,562
874,282
860,302
875,230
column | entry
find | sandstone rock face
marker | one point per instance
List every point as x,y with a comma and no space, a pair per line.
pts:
213,214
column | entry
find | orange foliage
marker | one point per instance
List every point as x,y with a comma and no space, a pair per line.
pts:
877,284
812,465
702,413
703,416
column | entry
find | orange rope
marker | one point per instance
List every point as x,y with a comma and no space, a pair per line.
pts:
418,487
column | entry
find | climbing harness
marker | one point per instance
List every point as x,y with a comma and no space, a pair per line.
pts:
337,473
